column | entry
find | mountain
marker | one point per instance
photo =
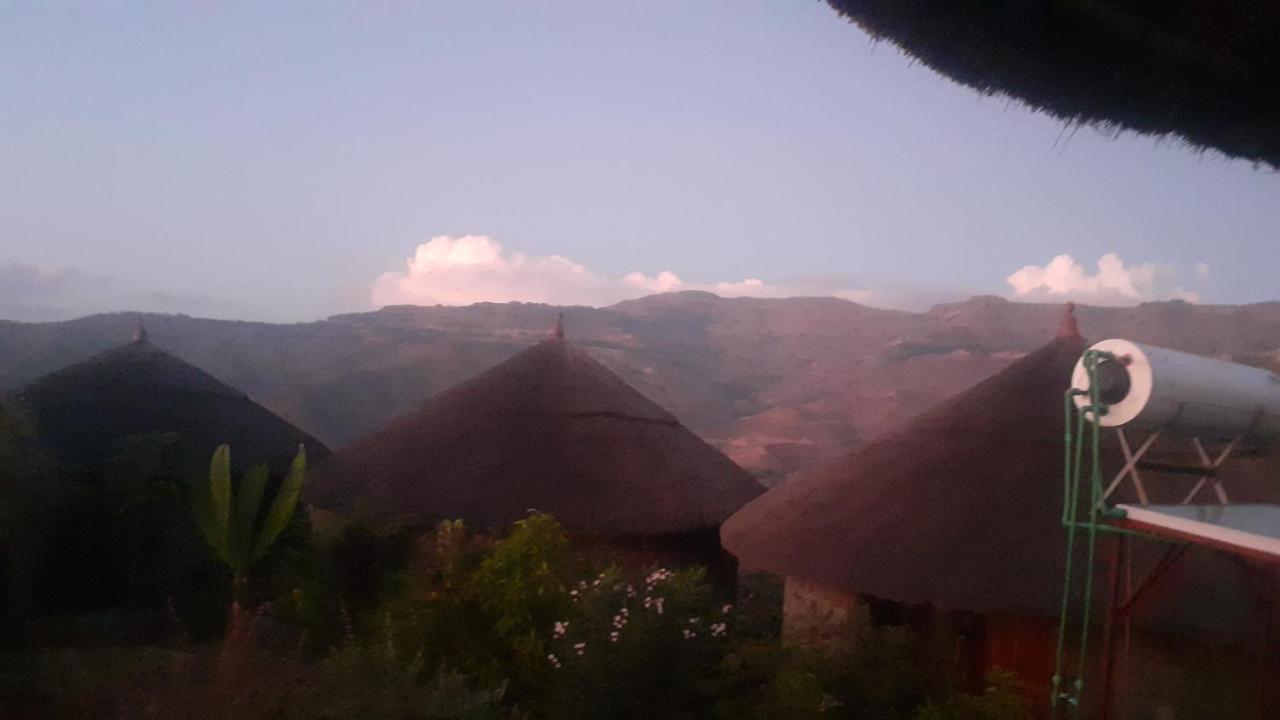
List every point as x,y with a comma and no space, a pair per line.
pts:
779,385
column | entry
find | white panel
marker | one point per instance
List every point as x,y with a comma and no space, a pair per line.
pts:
1246,527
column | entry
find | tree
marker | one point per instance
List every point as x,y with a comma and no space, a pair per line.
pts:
228,517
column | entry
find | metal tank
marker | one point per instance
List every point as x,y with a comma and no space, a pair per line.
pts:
1152,388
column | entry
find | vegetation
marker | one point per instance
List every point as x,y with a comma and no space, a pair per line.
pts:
364,623
229,519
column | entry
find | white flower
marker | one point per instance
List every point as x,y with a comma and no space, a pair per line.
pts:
613,636
725,610
580,648
555,661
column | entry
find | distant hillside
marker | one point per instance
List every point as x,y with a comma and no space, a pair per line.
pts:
777,384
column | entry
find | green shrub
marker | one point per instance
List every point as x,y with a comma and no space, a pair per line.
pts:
1001,700
235,521
763,680
31,490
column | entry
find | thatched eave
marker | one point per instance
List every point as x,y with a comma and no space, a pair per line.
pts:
1206,72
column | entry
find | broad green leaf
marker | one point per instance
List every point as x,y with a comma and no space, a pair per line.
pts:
220,496
248,498
282,508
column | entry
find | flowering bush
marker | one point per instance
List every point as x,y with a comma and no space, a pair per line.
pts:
570,640
637,645
523,627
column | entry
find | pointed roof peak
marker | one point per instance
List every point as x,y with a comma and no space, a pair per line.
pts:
551,428
140,333
1068,327
138,388
557,330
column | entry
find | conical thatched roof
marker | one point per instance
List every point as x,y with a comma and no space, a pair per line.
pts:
82,411
960,507
1205,70
550,429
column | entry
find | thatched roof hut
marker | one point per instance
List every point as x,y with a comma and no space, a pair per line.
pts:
1207,72
550,429
961,507
929,513
83,411
955,520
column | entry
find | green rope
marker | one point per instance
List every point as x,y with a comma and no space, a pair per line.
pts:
1068,521
1095,502
1072,472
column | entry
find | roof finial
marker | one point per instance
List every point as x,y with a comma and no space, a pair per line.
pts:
1069,328
140,334
557,330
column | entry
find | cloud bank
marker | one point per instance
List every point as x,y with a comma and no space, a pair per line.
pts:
32,293
476,268
1113,283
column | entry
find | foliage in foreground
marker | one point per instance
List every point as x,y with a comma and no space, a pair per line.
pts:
451,624
230,517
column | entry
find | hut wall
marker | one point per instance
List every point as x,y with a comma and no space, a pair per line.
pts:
1166,676
814,614
1024,646
1173,678
1170,677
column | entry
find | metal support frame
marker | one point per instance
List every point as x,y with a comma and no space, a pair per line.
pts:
1134,461
1088,514
1124,602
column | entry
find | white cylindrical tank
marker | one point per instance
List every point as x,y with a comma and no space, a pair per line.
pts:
1153,388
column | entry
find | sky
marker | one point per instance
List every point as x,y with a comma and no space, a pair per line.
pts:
287,161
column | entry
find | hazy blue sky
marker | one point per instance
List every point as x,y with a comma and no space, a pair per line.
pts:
272,160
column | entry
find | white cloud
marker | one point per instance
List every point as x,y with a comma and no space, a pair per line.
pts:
476,268
665,281
1114,282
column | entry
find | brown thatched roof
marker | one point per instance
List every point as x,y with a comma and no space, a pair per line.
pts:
1207,71
962,506
550,429
959,508
82,411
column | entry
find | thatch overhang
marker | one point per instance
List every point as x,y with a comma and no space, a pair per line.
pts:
552,430
1204,71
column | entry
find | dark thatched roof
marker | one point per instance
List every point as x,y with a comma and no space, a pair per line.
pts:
84,410
550,429
960,508
1207,71
932,513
